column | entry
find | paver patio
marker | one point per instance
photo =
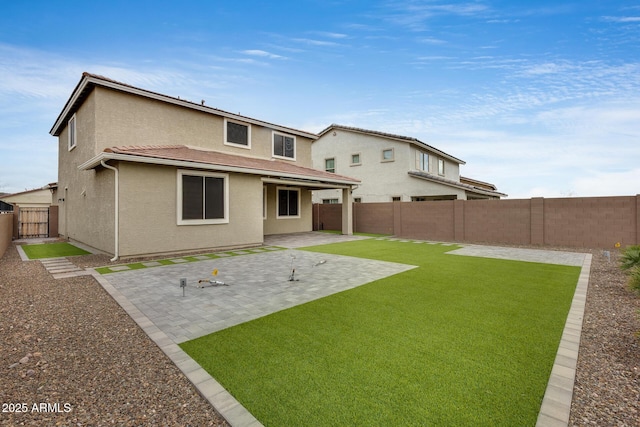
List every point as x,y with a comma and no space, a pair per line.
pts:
258,284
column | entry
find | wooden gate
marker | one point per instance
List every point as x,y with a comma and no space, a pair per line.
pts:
33,222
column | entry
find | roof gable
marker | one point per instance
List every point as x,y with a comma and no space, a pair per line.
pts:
89,81
391,136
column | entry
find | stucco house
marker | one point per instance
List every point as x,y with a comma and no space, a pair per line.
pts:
392,168
143,173
36,198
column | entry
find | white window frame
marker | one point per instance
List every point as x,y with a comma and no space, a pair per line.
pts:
393,155
278,216
334,165
273,145
233,144
423,161
359,162
180,221
441,167
73,134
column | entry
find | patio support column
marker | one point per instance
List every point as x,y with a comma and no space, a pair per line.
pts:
347,211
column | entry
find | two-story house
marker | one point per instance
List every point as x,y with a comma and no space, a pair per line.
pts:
392,168
143,173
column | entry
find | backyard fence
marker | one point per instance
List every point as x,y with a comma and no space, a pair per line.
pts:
580,222
6,230
33,222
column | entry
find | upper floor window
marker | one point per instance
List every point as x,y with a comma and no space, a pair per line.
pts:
423,161
203,198
330,165
72,132
355,159
236,133
284,145
387,155
441,167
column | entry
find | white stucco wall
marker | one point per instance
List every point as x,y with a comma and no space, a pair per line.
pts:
381,180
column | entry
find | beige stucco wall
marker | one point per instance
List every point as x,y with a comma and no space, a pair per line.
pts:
381,180
86,213
275,225
148,213
125,119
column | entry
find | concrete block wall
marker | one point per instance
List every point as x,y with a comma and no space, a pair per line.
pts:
579,222
6,231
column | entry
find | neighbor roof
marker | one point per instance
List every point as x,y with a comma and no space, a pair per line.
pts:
198,158
408,139
430,177
89,81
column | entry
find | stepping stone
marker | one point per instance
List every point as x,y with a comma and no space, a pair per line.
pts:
151,264
179,260
120,268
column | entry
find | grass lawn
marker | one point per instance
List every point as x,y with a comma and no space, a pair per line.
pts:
458,341
52,250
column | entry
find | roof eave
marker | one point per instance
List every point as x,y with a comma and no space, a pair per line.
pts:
104,156
460,186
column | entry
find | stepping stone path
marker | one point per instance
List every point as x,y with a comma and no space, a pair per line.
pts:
61,268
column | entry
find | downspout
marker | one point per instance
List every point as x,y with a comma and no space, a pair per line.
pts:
116,225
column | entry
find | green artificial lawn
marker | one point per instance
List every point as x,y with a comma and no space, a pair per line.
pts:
457,341
52,250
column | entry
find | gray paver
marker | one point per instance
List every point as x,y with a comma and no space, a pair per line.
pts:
258,285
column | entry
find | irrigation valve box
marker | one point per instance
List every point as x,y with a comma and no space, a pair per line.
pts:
183,284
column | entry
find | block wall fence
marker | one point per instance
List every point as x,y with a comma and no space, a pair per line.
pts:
6,231
578,222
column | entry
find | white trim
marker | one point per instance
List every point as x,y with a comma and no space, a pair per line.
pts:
264,202
73,133
359,162
441,172
278,216
233,144
334,165
393,154
284,135
179,219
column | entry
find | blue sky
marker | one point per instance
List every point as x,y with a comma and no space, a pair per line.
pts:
541,98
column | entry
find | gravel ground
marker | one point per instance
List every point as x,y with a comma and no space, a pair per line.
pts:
80,349
607,388
68,344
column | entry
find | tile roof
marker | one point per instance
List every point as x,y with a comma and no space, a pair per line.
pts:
195,155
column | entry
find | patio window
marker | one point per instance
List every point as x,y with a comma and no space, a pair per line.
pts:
202,198
288,203
284,146
72,132
236,133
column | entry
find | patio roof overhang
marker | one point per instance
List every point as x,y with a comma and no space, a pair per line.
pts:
270,171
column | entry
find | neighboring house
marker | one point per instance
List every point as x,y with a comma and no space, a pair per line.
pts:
392,168
36,198
145,173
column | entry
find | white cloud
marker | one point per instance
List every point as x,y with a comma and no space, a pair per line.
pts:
262,54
